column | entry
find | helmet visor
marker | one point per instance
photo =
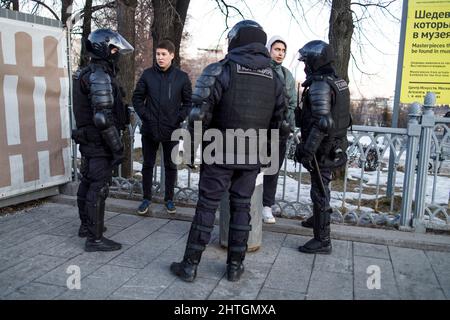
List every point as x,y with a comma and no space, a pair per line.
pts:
299,56
122,44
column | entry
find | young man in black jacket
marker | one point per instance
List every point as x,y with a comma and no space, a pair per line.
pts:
162,99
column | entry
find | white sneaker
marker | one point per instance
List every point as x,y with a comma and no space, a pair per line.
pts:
276,210
267,215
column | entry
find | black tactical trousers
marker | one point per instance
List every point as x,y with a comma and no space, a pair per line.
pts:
149,149
319,200
214,181
321,204
270,181
92,192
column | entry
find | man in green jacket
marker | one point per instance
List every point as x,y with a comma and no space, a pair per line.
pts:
277,49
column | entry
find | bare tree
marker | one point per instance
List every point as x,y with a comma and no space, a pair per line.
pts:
10,4
169,17
66,10
87,20
144,44
126,27
340,35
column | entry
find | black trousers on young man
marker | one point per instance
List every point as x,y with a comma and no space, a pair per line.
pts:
149,150
270,182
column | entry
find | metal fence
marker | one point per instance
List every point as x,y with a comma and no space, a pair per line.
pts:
359,195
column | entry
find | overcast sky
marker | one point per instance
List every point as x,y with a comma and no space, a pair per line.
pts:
379,45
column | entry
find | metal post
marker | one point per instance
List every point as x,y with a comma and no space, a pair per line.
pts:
398,85
162,184
408,182
428,122
255,235
70,106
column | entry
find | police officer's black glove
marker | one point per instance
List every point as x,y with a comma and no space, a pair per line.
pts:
304,156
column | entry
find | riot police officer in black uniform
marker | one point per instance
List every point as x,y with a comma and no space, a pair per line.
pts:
324,120
100,115
239,92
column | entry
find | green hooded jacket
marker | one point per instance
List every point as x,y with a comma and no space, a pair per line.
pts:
289,83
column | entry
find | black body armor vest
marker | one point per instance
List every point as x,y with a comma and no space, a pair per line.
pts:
82,107
249,101
340,108
336,140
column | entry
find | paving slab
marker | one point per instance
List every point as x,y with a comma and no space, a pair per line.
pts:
176,226
277,294
139,231
414,274
141,254
365,285
200,289
270,246
32,247
247,288
26,271
39,245
36,291
124,220
60,275
370,250
147,284
440,262
100,284
330,286
17,236
339,261
291,271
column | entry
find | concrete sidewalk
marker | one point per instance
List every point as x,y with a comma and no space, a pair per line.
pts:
39,245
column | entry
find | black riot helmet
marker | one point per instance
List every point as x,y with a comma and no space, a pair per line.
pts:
246,32
316,54
101,41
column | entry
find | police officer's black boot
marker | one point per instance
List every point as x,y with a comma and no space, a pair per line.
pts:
186,270
308,223
235,267
237,247
96,214
321,243
83,230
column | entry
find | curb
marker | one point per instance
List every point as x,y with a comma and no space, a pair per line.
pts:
289,226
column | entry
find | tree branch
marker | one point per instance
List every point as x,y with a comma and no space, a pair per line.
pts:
226,10
48,8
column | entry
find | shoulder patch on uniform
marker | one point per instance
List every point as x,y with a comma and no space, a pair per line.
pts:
266,72
341,84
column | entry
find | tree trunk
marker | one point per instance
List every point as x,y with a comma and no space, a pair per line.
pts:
15,4
84,59
126,27
65,14
340,35
168,23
